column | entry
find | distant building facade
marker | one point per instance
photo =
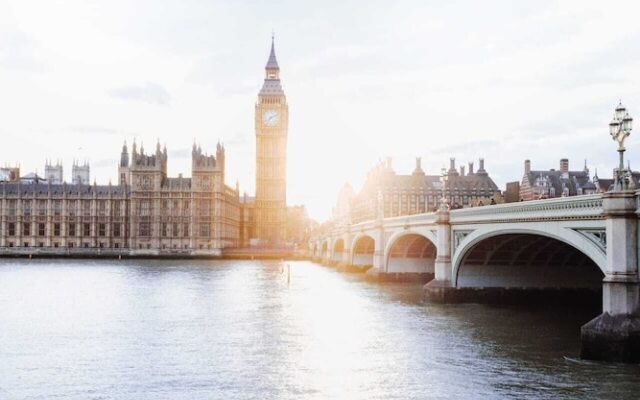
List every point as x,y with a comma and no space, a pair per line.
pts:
146,213
541,184
416,193
53,173
80,174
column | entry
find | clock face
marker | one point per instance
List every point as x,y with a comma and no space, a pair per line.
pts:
270,117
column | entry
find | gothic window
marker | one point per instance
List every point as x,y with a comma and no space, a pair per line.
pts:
102,208
116,230
204,230
27,207
42,207
41,229
144,229
57,207
86,205
145,208
12,207
164,230
175,206
12,229
71,206
145,182
185,230
102,229
204,208
72,229
56,229
87,229
26,229
185,207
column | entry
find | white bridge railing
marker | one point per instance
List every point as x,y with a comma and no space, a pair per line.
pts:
562,208
575,207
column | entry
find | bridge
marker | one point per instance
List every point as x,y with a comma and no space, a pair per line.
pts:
554,250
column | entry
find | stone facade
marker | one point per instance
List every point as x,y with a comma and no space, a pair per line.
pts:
271,124
147,213
398,195
540,184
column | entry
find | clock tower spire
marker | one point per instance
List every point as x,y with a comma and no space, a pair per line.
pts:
271,124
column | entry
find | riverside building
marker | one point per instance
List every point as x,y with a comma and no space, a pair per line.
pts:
416,193
148,212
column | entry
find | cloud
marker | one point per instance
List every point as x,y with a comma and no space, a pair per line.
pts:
180,153
149,92
104,162
93,130
17,51
225,78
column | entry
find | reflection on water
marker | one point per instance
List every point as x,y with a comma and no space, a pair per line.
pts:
237,330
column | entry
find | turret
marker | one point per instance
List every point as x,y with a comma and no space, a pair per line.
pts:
124,170
124,156
220,156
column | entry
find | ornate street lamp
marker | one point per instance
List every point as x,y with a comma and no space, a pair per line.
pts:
620,129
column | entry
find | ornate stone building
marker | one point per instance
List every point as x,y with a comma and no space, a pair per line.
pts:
416,193
540,184
147,213
271,124
150,213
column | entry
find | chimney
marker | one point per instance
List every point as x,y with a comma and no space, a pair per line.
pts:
564,165
418,171
481,165
452,164
527,166
471,168
462,170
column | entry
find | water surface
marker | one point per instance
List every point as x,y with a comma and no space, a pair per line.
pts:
238,330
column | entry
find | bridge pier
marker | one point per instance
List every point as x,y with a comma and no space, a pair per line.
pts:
440,289
615,334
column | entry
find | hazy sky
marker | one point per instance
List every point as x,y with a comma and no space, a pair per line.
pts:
502,80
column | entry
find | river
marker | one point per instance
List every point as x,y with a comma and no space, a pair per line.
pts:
148,329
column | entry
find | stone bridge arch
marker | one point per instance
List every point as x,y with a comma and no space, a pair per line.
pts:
528,257
337,250
362,250
410,251
324,250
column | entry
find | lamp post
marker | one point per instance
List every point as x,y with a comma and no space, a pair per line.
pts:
620,129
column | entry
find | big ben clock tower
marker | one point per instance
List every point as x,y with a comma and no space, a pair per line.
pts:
272,120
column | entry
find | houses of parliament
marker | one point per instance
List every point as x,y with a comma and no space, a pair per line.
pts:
148,212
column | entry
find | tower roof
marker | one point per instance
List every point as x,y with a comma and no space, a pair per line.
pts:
272,63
